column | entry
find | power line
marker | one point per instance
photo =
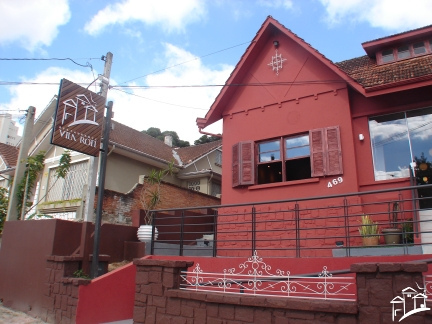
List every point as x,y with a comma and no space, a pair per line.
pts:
166,103
194,59
49,59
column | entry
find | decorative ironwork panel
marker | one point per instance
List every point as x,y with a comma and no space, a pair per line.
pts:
255,277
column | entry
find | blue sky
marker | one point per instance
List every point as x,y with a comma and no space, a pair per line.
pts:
165,43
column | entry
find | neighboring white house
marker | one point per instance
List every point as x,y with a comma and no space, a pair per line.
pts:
8,130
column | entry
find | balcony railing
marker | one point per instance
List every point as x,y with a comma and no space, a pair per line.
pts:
324,226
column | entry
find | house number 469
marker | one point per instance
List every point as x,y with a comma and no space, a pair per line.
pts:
334,182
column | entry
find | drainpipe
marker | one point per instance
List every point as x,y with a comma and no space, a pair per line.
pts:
210,134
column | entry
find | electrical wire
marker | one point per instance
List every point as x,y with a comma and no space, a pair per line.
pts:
167,103
185,62
48,59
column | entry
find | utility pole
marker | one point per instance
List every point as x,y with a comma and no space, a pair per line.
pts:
94,161
101,189
88,212
12,213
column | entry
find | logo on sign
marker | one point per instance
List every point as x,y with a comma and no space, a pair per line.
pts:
410,303
79,116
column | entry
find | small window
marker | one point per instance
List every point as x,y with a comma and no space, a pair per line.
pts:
269,162
419,48
403,52
387,56
297,155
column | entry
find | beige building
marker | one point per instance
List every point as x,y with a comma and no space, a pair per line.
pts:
132,155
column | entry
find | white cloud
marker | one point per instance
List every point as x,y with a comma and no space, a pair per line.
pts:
169,14
395,15
141,114
32,23
39,96
287,4
165,108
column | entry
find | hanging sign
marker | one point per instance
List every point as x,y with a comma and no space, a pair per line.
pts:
78,119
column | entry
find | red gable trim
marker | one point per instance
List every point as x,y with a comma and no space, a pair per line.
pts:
268,28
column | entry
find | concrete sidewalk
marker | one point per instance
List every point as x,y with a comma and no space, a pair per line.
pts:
9,316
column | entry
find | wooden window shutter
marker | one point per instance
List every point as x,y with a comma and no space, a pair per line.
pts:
317,152
334,152
243,164
235,165
247,175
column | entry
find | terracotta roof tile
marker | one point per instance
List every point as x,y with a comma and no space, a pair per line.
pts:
9,154
145,144
369,74
141,142
191,153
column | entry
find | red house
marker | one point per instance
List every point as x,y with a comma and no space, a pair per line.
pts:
296,125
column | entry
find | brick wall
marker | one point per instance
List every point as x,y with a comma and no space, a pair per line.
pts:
62,290
320,223
118,207
158,299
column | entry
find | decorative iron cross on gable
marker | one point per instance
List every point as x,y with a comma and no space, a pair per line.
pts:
276,62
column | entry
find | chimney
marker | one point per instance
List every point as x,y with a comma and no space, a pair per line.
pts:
168,140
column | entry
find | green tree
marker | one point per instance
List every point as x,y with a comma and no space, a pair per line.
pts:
4,201
35,165
156,133
206,139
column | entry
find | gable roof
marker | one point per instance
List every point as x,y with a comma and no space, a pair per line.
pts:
270,27
141,143
129,138
372,76
9,154
192,153
362,73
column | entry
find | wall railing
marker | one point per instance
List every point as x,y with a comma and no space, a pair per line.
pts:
303,227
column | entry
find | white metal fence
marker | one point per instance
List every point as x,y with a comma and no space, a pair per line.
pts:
255,277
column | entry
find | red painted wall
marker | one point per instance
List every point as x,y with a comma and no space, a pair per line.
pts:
270,111
108,298
305,95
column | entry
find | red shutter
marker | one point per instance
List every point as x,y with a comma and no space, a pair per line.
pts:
247,163
334,152
243,164
235,165
316,144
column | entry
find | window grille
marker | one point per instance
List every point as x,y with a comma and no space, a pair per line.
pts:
71,187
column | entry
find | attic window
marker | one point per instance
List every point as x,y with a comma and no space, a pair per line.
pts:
405,51
387,56
419,48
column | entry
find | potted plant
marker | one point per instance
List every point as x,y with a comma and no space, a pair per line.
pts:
151,197
392,234
369,231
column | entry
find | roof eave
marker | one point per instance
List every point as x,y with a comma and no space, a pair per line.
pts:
403,85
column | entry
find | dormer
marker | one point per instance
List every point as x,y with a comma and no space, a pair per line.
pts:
401,46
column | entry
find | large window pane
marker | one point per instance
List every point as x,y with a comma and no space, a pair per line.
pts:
390,146
297,146
269,151
420,131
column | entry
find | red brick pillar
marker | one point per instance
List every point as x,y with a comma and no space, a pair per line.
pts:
153,279
61,292
379,283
